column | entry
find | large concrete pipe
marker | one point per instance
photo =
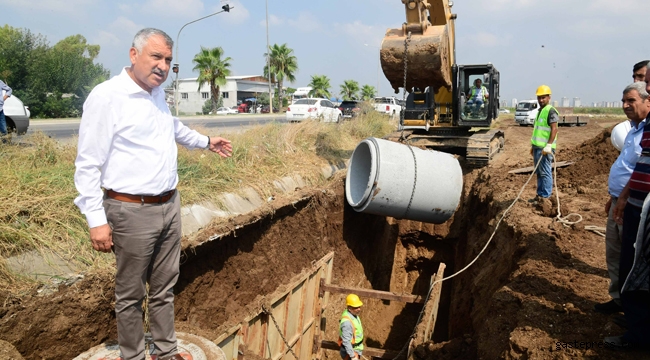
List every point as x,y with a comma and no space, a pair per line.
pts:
404,182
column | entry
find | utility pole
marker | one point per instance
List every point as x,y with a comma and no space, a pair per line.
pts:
268,60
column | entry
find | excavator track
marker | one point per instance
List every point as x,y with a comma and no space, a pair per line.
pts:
483,147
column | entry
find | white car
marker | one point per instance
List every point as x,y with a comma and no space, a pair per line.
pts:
504,111
226,111
16,114
313,108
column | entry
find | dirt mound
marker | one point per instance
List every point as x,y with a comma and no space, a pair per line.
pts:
592,160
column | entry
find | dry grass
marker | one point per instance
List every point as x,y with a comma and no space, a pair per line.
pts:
36,197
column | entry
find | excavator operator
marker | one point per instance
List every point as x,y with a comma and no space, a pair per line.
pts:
350,329
478,94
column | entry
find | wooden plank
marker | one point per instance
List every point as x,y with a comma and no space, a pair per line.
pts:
424,329
374,294
367,351
530,169
262,341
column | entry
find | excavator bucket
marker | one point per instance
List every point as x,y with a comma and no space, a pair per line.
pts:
428,55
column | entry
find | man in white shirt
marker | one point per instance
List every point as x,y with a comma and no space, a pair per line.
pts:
127,145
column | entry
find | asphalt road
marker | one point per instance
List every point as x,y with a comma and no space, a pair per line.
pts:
66,129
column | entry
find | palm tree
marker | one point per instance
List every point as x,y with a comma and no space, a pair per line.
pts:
212,70
368,92
320,86
349,89
284,65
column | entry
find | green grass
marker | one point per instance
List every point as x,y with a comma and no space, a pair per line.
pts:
36,197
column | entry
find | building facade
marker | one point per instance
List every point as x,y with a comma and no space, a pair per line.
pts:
191,98
565,102
576,102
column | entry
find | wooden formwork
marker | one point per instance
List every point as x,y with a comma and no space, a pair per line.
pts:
297,312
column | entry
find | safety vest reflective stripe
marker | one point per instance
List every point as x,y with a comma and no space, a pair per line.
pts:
357,330
542,130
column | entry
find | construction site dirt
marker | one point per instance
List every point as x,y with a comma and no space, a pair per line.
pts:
530,294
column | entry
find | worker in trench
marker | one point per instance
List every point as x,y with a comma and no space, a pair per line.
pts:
636,106
543,143
350,329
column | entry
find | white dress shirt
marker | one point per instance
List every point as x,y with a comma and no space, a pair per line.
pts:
127,143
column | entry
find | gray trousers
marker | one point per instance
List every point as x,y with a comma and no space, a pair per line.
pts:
147,239
613,240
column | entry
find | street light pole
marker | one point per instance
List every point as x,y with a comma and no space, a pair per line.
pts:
268,60
225,8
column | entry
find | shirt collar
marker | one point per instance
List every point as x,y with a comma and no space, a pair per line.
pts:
641,123
131,86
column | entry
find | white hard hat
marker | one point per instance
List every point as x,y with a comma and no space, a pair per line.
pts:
619,132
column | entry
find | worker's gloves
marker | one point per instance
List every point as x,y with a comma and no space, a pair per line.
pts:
547,149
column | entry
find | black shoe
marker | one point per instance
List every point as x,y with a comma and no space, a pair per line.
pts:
609,307
536,200
620,321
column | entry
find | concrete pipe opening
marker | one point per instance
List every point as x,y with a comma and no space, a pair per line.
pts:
404,182
359,183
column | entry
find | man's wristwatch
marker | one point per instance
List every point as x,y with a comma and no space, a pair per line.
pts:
208,146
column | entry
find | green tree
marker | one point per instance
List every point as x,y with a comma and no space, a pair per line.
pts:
320,86
368,92
213,69
284,66
349,90
52,81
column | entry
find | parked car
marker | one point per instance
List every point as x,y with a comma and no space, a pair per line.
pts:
350,108
265,109
16,114
504,111
312,108
226,111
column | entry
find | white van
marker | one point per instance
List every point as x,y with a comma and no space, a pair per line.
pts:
526,112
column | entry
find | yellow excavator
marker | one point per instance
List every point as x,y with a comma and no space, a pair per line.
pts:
449,107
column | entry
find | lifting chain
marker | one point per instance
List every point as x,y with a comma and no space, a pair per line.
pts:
268,312
401,115
402,139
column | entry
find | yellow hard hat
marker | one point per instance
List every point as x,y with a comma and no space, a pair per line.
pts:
353,300
543,90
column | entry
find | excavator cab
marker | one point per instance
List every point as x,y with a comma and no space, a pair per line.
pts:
470,109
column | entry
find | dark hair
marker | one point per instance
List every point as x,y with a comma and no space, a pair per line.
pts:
639,65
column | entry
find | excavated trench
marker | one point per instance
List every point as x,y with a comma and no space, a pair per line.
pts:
224,279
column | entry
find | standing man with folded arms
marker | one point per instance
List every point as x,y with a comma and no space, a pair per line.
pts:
127,146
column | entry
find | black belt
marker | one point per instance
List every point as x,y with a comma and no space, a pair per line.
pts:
143,199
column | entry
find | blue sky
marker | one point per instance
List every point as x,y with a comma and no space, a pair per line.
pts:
581,48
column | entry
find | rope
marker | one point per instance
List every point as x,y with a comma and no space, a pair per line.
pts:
468,265
563,220
559,218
